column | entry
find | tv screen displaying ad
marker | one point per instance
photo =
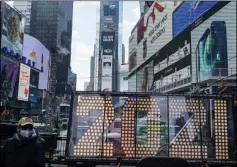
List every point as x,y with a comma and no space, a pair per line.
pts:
188,12
213,42
9,73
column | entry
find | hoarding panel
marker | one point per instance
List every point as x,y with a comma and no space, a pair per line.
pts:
216,31
188,12
9,73
33,90
24,83
12,30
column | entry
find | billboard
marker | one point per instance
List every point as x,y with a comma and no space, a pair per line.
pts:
188,12
107,42
107,73
109,9
24,83
213,41
108,39
73,81
37,56
12,30
32,50
109,27
34,82
9,73
154,30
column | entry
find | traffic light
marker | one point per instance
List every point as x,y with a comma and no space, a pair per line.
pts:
223,83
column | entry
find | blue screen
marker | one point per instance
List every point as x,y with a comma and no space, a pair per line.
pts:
188,12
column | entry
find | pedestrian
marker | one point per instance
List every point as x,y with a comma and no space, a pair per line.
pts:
24,149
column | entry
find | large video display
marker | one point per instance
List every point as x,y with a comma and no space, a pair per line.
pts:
188,12
12,30
214,41
37,56
9,73
175,126
107,73
33,89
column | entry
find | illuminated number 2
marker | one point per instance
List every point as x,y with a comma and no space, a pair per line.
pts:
90,144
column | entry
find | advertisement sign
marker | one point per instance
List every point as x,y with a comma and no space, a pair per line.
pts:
24,83
109,27
9,73
140,30
108,51
34,81
188,12
33,50
214,40
109,10
37,56
107,66
74,81
154,30
12,30
107,73
43,76
107,39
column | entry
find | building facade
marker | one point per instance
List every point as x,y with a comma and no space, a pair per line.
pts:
168,54
25,8
96,50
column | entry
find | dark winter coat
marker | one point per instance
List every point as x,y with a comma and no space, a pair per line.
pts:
23,153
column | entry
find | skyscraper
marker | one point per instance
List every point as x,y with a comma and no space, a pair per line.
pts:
25,8
110,45
97,50
51,23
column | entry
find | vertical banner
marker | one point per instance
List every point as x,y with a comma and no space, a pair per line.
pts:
24,83
107,42
9,73
34,80
12,30
107,73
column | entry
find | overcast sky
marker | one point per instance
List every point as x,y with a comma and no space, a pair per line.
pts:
84,32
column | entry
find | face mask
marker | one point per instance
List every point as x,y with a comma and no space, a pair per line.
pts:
26,133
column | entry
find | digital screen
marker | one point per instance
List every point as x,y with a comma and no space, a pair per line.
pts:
109,10
188,12
212,45
9,72
212,49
